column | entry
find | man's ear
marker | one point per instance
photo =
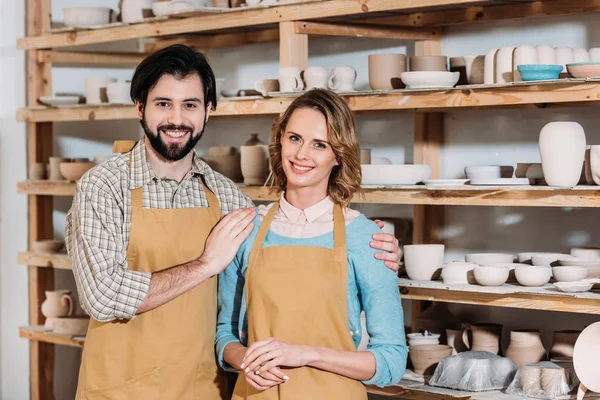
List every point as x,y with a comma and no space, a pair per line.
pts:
140,109
208,110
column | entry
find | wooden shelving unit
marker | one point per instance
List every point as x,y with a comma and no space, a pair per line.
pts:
291,25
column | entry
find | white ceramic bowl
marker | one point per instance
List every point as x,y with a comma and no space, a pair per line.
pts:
489,171
423,261
569,273
429,79
545,259
592,264
531,275
489,258
415,339
395,174
491,275
511,267
458,272
118,92
586,252
86,17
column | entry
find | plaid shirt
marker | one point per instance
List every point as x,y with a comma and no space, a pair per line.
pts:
99,224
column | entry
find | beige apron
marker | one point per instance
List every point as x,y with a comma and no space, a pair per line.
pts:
298,294
167,352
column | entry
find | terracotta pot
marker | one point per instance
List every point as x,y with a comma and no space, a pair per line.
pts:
504,65
526,347
58,303
454,339
385,71
425,357
485,337
73,171
457,64
55,174
37,171
564,343
75,326
230,166
428,63
255,164
253,140
562,150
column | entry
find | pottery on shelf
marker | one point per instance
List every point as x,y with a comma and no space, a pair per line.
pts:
569,273
96,89
255,164
385,71
585,252
341,79
526,347
538,72
457,64
592,265
562,150
365,156
73,326
289,79
86,17
491,275
394,174
489,171
253,140
315,77
72,171
266,86
229,166
564,56
47,246
489,258
547,259
545,54
563,343
415,339
425,357
584,70
586,354
524,54
459,272
454,339
594,159
428,63
511,268
489,70
504,65
37,171
136,10
58,303
483,337
430,79
474,66
423,262
530,378
580,55
54,166
118,93
531,275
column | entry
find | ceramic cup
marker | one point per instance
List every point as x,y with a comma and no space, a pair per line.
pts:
118,93
342,79
37,171
385,71
289,79
55,174
266,85
95,89
474,66
428,63
316,77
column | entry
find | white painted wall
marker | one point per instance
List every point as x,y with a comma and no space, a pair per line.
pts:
472,137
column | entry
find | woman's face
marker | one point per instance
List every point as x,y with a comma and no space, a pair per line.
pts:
307,156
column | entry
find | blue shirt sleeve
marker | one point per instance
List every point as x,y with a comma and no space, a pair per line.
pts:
380,299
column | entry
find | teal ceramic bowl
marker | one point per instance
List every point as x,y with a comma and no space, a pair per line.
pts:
539,72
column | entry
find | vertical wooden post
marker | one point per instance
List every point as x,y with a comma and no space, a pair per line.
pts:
293,47
428,138
39,148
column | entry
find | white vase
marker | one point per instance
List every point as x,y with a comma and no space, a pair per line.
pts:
504,65
523,55
562,150
489,68
546,54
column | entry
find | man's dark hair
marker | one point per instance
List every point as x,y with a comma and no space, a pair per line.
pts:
178,60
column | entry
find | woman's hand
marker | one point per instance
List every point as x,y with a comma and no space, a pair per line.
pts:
267,354
387,242
266,379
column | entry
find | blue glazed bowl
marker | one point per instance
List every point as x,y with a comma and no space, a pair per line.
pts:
539,72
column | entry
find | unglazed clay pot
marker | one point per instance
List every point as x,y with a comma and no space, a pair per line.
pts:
37,171
523,55
491,275
385,71
485,337
74,326
562,150
563,343
504,65
475,69
526,347
58,303
425,357
585,252
72,171
428,63
255,164
489,70
423,262
54,163
532,275
95,89
341,79
136,10
454,339
253,140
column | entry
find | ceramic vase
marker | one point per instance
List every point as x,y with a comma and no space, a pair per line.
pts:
255,164
504,65
253,140
385,71
489,69
484,337
563,343
526,347
58,303
475,69
562,150
523,55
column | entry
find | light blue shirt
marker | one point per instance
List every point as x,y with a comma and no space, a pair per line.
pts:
372,287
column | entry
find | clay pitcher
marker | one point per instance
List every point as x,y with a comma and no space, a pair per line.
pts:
58,303
563,343
485,337
526,347
454,338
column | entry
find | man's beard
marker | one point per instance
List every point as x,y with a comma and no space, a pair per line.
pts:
171,151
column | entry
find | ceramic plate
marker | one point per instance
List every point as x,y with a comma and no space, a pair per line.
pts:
445,182
574,287
586,355
59,100
502,182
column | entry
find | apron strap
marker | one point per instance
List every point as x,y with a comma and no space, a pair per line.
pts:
213,200
264,227
339,228
123,146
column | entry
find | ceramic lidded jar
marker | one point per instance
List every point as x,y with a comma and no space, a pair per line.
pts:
563,343
385,71
526,347
562,150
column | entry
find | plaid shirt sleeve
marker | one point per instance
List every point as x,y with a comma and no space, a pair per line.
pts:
94,240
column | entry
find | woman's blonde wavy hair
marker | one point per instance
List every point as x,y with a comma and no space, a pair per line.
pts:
345,178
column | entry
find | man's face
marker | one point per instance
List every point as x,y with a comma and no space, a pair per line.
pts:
174,115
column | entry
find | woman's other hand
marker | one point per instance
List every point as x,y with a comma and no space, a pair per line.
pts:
387,242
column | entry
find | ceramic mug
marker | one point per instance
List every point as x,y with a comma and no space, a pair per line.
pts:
342,79
315,77
266,85
289,79
95,89
486,337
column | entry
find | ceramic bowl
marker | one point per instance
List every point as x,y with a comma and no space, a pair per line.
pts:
118,92
428,63
586,252
489,171
539,72
423,261
395,174
416,339
425,357
429,79
489,258
569,273
74,326
511,268
458,272
574,287
491,275
530,275
47,246
584,70
72,171
546,259
85,17
592,264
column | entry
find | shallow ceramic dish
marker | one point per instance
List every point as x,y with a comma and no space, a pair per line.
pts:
584,70
574,287
533,276
47,246
86,17
402,174
429,79
489,171
569,273
539,72
59,100
489,258
545,259
502,182
491,275
445,182
586,354
72,171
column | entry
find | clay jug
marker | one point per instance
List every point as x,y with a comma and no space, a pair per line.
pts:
454,340
526,347
253,140
562,150
58,303
485,337
563,343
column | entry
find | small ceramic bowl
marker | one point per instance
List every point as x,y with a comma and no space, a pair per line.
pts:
72,171
458,272
489,171
85,17
584,69
425,357
539,72
511,267
569,273
429,79
531,275
586,252
489,258
491,275
592,264
546,259
47,246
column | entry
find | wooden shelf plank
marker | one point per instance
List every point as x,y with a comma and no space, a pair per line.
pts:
559,92
512,296
67,58
37,333
237,19
59,261
518,196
